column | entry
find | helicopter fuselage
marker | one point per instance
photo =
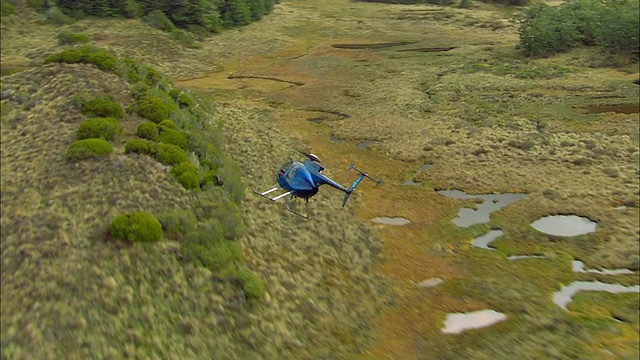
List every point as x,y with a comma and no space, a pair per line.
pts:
304,179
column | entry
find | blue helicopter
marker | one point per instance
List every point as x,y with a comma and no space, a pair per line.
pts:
303,179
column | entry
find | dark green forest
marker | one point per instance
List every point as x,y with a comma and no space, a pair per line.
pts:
197,16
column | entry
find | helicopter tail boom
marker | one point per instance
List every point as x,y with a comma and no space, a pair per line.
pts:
356,183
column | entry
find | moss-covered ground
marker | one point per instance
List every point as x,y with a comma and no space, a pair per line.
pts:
486,119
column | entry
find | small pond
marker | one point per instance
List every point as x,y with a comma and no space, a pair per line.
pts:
491,202
365,144
520,257
484,240
411,183
564,225
459,322
391,221
564,296
578,266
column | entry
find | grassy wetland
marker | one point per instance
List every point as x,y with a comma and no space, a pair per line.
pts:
422,84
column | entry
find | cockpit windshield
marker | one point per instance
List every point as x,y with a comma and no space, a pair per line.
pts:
283,169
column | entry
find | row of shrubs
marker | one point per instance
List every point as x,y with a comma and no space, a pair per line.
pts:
611,24
178,123
94,133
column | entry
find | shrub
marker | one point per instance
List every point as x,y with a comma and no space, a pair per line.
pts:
619,30
465,4
207,247
68,38
168,124
173,137
148,130
215,203
611,24
102,59
189,181
187,175
165,153
178,222
140,146
152,108
37,4
181,98
209,177
7,9
136,227
56,16
158,20
252,285
185,38
103,106
104,128
88,148
86,54
182,168
131,9
170,154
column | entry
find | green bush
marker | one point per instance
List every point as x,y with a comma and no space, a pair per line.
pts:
546,30
37,4
168,124
158,20
153,108
103,106
68,38
619,30
189,181
185,38
465,4
7,9
187,175
177,138
148,130
252,285
88,148
136,227
102,59
209,178
86,54
207,247
170,154
102,128
181,98
56,16
165,153
140,146
182,168
131,9
215,203
178,222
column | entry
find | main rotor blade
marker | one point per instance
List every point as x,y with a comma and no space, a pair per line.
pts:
308,155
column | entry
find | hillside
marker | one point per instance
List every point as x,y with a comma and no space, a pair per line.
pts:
391,88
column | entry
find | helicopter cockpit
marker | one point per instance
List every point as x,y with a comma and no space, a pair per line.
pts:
289,169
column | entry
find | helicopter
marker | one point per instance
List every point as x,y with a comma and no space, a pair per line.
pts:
303,180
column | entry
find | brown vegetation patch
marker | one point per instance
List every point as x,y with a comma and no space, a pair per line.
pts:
615,108
372,46
430,49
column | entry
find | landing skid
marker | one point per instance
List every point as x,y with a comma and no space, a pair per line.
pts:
286,206
290,209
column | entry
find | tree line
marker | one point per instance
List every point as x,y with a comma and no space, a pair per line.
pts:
610,24
198,16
